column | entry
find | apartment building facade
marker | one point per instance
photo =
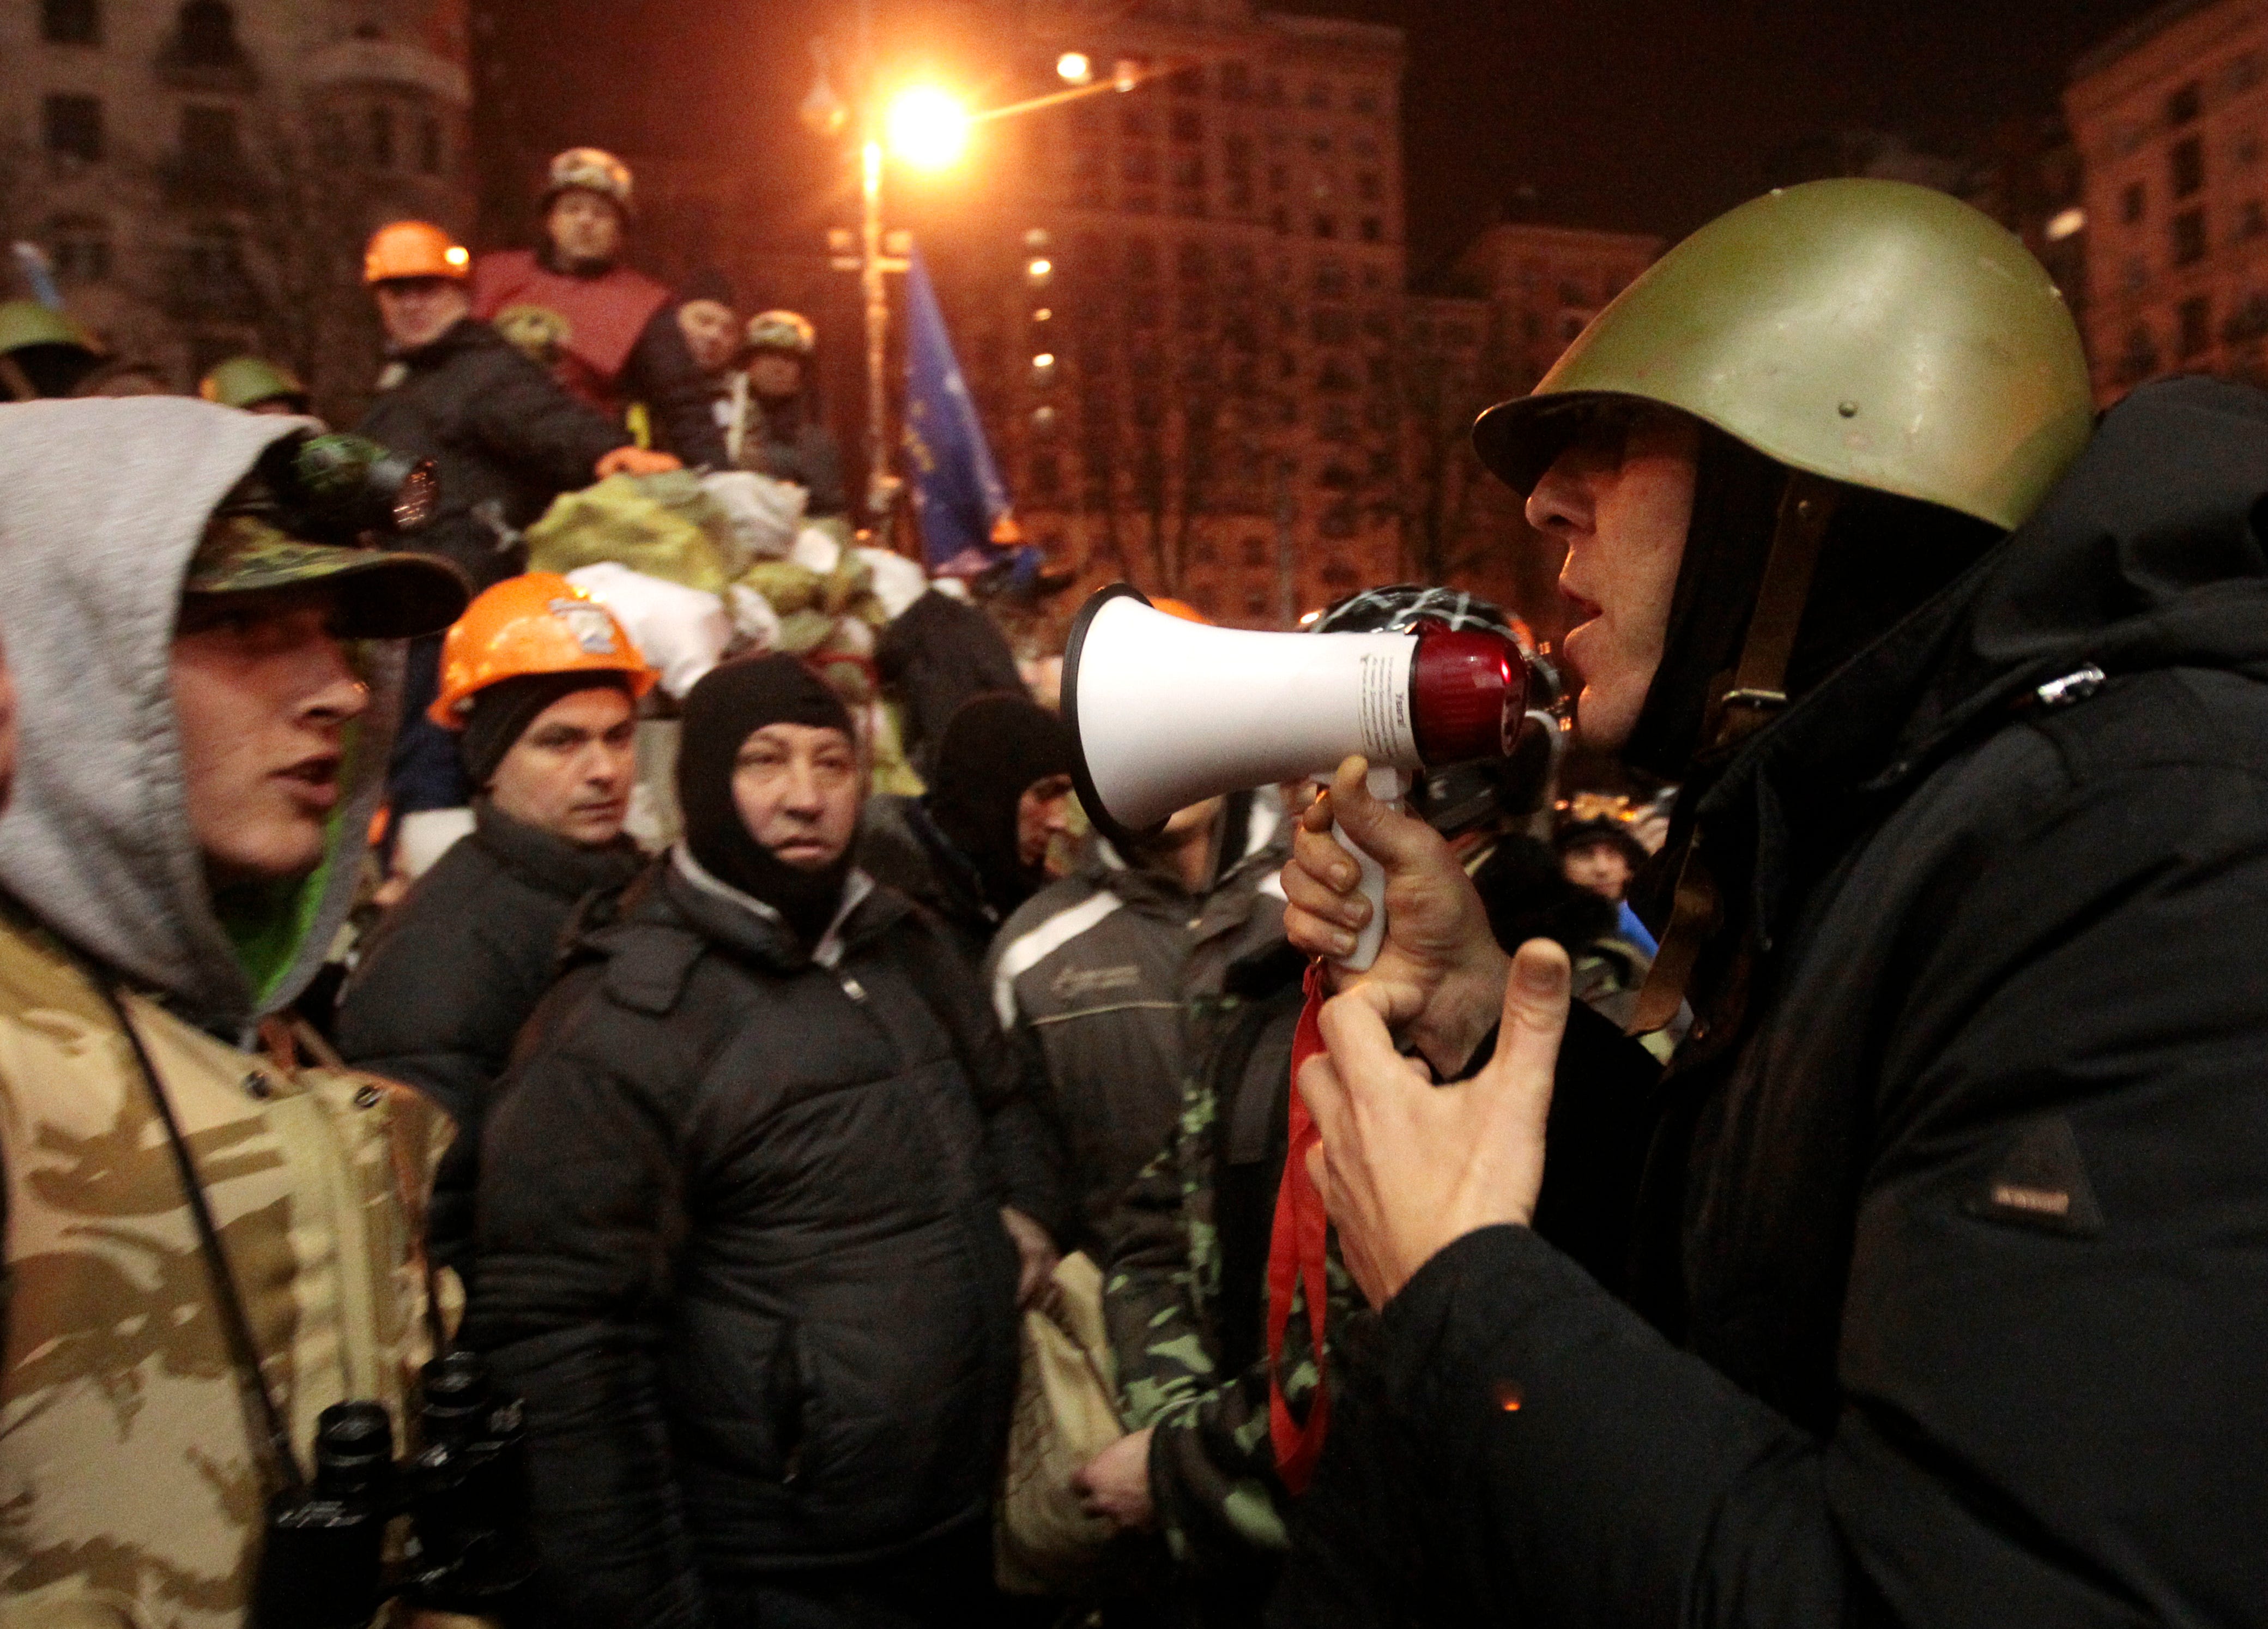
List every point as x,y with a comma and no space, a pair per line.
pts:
2170,118
202,174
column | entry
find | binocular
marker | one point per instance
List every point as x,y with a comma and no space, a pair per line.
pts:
326,1563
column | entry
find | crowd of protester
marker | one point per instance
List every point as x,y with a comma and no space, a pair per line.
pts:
756,1087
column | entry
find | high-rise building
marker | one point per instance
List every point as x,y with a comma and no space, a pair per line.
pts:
2169,117
1521,292
1195,372
202,174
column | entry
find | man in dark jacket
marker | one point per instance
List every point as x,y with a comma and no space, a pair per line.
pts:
542,686
1093,977
505,441
975,845
772,418
1950,1276
741,1234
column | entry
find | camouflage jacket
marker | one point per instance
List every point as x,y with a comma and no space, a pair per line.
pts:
1186,1296
132,1476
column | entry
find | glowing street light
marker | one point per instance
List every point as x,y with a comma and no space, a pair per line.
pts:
928,128
2066,223
1074,67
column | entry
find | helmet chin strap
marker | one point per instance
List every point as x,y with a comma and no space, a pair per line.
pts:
1754,696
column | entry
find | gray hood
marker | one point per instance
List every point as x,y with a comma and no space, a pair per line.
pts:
102,504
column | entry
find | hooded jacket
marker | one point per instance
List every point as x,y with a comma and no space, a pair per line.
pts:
741,1249
134,1482
1950,1255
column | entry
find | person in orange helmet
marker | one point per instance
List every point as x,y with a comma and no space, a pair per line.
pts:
505,441
540,685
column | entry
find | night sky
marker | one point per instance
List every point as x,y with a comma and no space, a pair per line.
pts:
1644,115
1654,115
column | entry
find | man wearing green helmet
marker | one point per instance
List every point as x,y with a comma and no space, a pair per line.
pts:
256,385
1945,1292
42,352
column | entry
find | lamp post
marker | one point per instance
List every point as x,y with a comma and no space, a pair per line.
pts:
873,266
927,128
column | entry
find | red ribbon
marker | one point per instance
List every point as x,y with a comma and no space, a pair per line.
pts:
1297,1252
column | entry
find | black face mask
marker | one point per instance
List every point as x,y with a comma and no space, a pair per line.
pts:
1880,558
995,746
730,704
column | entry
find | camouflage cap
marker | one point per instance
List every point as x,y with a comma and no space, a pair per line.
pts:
382,594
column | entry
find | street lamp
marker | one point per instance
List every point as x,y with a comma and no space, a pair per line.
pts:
928,128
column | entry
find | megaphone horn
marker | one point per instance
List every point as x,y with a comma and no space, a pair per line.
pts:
1167,712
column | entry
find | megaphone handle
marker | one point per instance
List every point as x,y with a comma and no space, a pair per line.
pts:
1387,785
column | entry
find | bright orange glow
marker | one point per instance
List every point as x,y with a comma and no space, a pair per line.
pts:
928,128
456,254
1073,68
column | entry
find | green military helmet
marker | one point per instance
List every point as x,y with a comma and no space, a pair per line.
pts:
1872,332
42,351
25,322
248,381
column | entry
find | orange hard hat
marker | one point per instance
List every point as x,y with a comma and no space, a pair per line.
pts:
414,249
1182,609
539,623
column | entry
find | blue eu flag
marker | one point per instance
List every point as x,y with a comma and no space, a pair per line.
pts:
958,495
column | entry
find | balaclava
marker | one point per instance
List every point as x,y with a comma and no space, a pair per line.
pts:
1882,558
730,704
994,746
502,711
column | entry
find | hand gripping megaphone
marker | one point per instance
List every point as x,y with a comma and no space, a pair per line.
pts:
1167,712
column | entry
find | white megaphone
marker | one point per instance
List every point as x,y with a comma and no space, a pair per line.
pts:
1167,712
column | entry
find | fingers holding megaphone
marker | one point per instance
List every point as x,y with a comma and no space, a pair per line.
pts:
1437,965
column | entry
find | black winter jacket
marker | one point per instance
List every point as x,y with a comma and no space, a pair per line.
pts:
901,846
456,968
1954,1245
505,440
661,372
740,1250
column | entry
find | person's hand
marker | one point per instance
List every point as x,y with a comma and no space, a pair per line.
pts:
1115,1483
636,461
1407,1168
1439,974
1034,1250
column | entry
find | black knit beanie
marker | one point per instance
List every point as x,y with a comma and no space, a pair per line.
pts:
994,746
730,704
502,711
707,284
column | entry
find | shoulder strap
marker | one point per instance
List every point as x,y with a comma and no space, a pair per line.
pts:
235,1325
